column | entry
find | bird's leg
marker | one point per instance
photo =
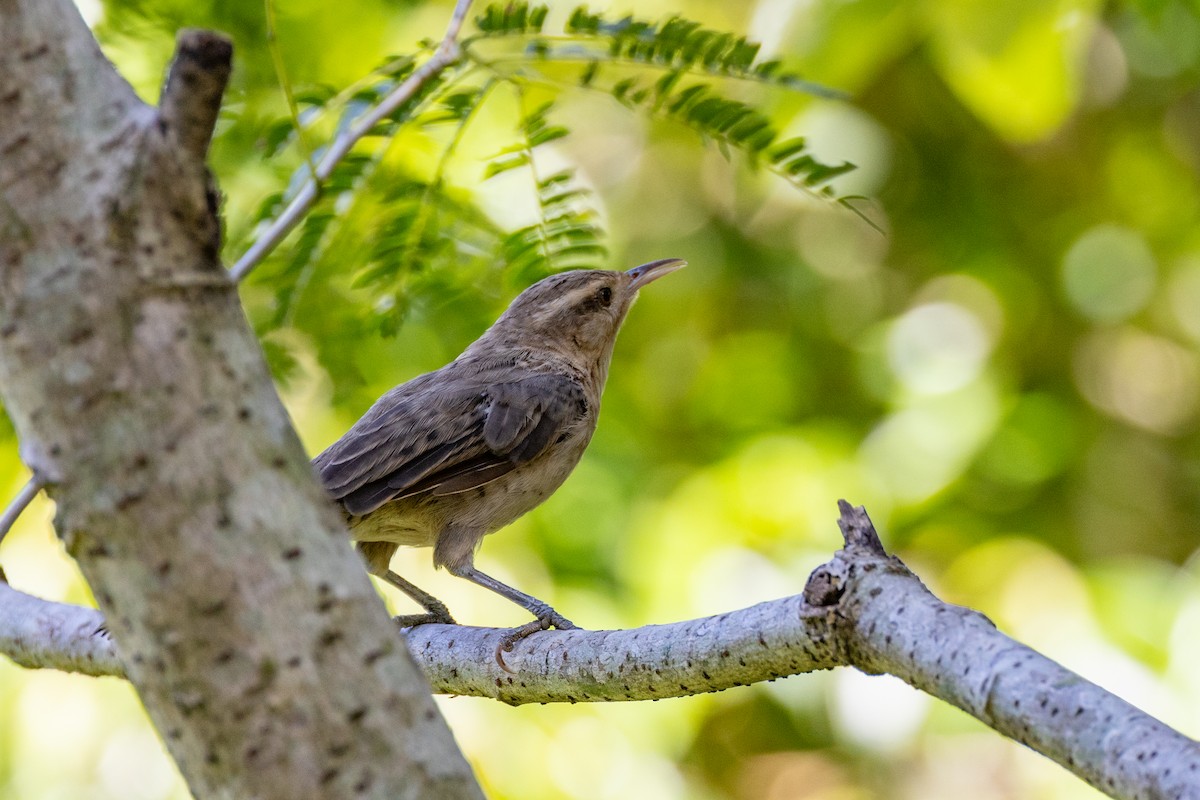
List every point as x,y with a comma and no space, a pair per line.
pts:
377,556
436,610
455,550
546,615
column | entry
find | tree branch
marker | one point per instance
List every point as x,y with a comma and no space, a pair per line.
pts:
18,505
191,96
35,633
861,609
447,54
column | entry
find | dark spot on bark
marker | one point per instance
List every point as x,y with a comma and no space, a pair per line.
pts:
325,605
329,638
292,553
224,520
278,462
174,734
244,413
56,450
724,654
163,569
328,776
340,749
98,550
374,655
211,758
571,699
761,640
251,753
224,657
209,410
364,783
454,672
15,144
81,335
294,662
8,329
706,676
875,592
11,97
356,715
36,52
140,461
128,499
181,332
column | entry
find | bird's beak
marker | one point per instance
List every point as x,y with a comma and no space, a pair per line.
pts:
647,273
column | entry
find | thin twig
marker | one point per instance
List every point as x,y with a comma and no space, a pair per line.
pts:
19,503
447,54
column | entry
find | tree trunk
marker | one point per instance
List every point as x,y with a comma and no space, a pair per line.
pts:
139,392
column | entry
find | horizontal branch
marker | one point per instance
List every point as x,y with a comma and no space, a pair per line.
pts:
36,633
861,609
763,642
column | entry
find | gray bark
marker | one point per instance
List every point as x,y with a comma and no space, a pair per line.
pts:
139,393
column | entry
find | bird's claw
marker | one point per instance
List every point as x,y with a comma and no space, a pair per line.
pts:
543,622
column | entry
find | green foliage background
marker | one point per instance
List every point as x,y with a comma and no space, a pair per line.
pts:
1008,377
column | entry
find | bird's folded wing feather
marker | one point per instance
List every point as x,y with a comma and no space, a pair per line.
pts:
447,441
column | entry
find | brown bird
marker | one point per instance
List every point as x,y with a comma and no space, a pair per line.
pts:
453,455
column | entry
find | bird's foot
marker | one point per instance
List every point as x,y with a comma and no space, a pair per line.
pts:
428,618
547,619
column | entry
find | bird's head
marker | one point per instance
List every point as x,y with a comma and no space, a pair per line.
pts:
577,313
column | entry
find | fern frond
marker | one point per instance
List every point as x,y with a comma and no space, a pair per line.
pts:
675,44
684,60
566,234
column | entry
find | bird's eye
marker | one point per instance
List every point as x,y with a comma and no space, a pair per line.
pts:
604,295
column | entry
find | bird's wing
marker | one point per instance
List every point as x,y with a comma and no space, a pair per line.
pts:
444,440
